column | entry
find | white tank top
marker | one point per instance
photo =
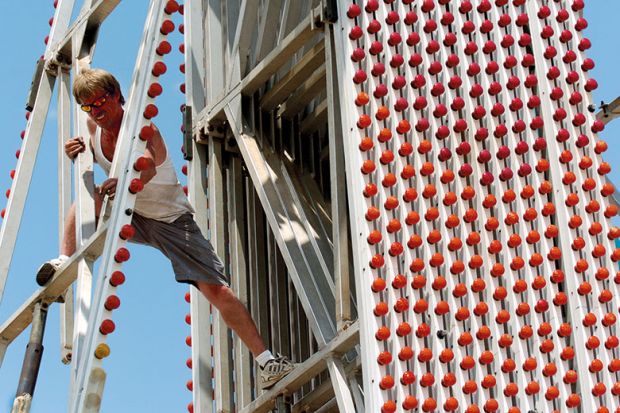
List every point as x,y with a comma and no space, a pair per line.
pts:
162,198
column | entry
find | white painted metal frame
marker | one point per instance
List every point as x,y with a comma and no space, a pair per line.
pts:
59,28
23,175
357,208
200,309
64,203
84,210
91,376
293,240
234,113
579,305
56,287
267,33
214,50
217,230
294,232
20,320
242,358
340,221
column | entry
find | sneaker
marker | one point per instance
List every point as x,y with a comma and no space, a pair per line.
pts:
48,269
274,370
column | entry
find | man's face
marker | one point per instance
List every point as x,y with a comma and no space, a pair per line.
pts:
103,108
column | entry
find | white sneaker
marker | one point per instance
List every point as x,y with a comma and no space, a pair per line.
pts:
274,370
48,269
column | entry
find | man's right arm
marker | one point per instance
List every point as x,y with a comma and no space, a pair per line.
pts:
74,146
77,145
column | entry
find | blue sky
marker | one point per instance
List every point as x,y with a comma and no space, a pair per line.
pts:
146,371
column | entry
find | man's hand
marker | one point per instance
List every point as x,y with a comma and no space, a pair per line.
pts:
74,146
108,187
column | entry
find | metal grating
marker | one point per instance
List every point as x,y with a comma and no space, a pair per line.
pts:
480,209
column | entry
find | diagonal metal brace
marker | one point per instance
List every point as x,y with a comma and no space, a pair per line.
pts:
306,267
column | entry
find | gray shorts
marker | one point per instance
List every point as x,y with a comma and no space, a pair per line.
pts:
192,256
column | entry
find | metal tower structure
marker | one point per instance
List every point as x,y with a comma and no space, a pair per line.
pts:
410,196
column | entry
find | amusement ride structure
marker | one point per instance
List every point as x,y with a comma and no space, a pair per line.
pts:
410,196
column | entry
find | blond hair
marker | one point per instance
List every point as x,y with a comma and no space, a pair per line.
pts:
91,80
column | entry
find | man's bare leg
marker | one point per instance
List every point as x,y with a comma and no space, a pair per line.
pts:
239,320
234,314
67,245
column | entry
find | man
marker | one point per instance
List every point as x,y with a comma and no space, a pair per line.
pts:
162,216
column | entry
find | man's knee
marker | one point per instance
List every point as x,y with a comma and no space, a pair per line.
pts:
98,202
215,293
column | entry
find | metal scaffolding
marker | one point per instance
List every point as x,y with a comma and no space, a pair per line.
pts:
391,186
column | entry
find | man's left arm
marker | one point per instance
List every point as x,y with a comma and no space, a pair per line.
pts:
150,171
154,154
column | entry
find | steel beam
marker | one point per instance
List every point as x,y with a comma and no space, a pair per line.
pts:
324,392
282,194
313,400
579,333
195,59
90,18
230,11
316,119
609,111
294,326
248,13
340,222
358,395
3,347
321,207
23,175
214,50
320,240
366,330
91,375
305,371
291,16
278,297
304,94
200,309
340,385
305,338
64,203
279,55
259,74
202,368
338,185
60,24
302,70
217,231
329,407
267,30
311,278
339,266
63,278
32,361
256,257
85,224
238,274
